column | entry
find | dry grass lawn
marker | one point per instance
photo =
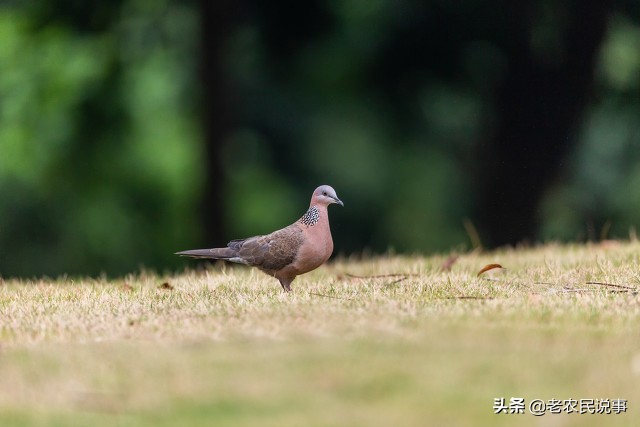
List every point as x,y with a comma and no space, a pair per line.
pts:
374,342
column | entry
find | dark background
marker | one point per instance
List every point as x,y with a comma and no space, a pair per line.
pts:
131,129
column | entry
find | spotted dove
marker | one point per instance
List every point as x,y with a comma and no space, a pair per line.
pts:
286,253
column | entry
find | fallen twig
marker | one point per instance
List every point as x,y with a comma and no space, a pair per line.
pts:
576,290
613,285
327,296
624,291
396,281
381,276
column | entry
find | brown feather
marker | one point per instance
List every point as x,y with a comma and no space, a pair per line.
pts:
273,251
269,253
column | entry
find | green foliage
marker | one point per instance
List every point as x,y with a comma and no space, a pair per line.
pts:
598,195
102,164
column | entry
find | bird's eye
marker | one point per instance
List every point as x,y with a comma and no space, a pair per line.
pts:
324,193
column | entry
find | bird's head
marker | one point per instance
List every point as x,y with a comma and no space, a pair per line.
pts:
325,195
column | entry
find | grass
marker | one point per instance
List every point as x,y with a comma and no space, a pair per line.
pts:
373,342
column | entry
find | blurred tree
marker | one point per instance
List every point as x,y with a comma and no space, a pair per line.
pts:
132,129
217,23
95,136
551,56
498,91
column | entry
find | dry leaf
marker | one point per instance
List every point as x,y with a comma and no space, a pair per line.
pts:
127,287
448,263
488,267
166,285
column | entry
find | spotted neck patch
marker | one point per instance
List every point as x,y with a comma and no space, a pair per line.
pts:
311,217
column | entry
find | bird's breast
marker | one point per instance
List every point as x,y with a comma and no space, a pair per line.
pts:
316,249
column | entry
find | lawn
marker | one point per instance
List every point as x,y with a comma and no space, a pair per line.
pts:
381,341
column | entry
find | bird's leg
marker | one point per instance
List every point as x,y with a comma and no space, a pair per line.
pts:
286,284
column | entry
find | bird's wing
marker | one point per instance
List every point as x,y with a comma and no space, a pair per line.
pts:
271,252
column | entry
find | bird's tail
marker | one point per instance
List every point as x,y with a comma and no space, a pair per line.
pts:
215,253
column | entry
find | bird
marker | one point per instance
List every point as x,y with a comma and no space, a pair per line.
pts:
289,252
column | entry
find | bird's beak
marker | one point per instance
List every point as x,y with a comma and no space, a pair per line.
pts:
338,201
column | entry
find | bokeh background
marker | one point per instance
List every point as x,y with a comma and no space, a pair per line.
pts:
131,129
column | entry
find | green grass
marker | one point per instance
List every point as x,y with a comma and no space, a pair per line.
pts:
226,346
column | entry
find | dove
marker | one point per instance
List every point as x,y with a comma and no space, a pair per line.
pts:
289,252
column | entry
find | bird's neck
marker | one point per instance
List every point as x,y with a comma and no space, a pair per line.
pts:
313,215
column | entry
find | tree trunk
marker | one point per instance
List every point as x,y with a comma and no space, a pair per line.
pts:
217,22
539,104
